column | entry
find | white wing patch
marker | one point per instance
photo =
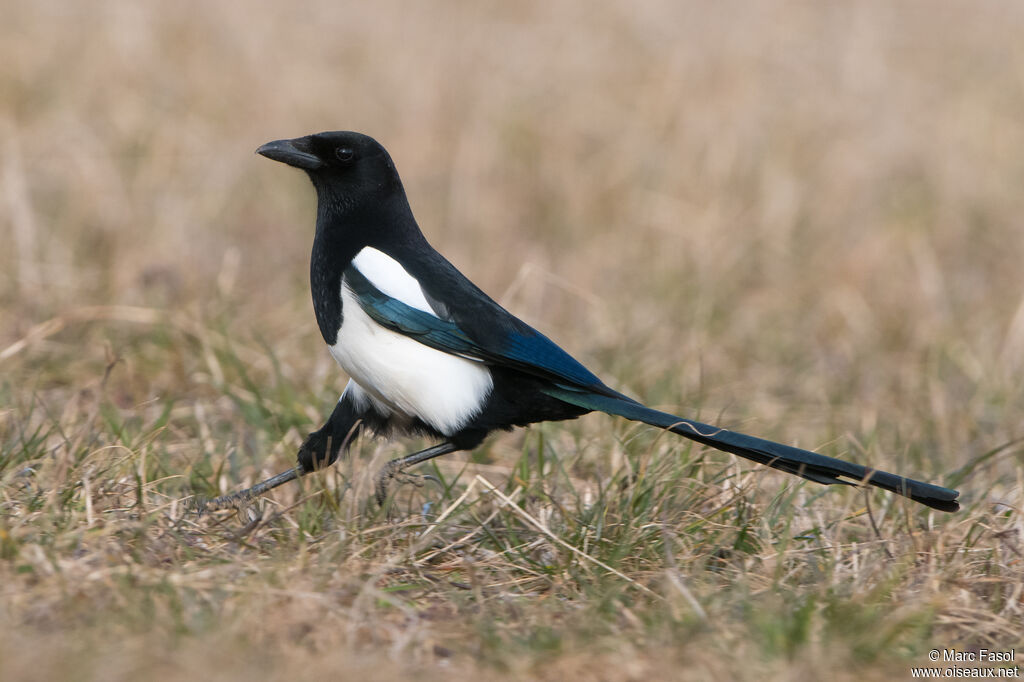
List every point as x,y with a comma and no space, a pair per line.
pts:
390,278
398,373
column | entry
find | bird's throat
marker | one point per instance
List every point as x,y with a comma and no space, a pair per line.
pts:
330,256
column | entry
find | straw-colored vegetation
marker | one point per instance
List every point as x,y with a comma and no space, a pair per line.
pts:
802,220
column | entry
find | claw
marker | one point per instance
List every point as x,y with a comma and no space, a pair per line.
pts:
242,496
388,473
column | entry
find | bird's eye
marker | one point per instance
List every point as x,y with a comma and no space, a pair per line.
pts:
344,154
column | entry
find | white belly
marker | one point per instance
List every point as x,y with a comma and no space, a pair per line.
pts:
407,377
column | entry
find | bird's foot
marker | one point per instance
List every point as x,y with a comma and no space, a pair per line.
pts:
389,473
243,497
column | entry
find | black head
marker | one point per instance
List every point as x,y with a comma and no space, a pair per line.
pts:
343,165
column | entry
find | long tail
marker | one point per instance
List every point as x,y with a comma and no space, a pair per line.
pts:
809,465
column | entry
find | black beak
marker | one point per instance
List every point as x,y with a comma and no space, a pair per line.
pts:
292,152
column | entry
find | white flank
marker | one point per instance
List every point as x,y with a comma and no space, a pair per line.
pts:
401,375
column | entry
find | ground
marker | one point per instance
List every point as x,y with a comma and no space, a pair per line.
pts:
799,220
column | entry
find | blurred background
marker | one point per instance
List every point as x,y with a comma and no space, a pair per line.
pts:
792,211
798,219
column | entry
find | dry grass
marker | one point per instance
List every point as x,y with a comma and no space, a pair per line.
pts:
798,219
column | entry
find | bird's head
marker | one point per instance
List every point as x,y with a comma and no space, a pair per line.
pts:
344,166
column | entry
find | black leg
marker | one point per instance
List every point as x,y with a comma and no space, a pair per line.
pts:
247,495
396,465
322,447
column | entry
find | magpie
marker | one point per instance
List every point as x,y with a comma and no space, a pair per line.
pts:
429,353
